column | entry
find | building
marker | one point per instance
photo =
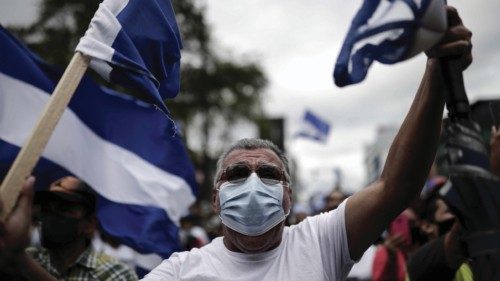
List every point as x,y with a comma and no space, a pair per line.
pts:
376,152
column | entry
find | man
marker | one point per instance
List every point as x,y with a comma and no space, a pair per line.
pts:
68,223
252,195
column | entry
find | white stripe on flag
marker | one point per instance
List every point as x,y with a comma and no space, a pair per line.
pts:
106,35
116,173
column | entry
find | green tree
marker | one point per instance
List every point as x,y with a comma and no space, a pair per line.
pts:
216,91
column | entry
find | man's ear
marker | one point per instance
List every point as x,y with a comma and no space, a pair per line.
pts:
215,200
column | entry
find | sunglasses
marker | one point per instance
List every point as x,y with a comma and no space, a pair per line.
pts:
268,174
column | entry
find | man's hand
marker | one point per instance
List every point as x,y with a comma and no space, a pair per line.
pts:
456,41
15,232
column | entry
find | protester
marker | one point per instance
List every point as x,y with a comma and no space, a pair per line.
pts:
192,235
444,257
252,194
68,223
333,200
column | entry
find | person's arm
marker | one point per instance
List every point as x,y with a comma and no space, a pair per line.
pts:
412,152
15,237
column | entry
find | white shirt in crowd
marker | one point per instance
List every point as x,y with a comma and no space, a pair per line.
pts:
315,249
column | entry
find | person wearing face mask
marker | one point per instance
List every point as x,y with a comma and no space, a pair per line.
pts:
67,223
252,195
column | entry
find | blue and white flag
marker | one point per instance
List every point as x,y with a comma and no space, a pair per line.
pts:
388,31
136,44
121,147
313,127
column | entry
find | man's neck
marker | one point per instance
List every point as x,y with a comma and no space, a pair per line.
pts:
63,258
236,242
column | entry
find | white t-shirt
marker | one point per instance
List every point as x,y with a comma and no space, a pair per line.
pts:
315,249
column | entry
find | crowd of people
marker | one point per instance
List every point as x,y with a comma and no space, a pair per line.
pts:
390,230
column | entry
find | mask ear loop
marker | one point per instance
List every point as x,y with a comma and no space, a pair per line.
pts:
287,185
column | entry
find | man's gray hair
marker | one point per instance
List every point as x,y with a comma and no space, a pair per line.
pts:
252,144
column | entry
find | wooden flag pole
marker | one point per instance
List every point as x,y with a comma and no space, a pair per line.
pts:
33,148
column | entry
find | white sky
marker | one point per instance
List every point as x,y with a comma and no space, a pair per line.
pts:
297,42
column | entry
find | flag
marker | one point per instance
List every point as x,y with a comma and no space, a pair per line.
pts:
136,44
388,31
313,127
128,152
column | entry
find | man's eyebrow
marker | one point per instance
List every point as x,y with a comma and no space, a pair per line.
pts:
258,162
240,162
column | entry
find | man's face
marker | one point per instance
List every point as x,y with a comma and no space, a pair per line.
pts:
252,244
65,221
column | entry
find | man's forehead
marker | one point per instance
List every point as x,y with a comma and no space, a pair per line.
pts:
254,156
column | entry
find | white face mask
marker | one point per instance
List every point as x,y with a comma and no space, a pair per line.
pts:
251,207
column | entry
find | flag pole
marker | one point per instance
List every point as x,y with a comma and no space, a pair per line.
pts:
33,148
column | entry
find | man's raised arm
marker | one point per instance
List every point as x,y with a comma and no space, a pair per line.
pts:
412,152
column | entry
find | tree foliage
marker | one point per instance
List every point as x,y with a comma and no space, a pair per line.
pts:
212,87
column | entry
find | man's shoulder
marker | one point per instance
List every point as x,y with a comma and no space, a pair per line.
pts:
36,251
109,268
214,247
324,219
41,255
195,260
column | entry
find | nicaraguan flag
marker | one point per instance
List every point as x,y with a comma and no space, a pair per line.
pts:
313,127
127,152
136,44
388,31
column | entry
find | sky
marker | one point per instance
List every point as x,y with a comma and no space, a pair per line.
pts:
297,42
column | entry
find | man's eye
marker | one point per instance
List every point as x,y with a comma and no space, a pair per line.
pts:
269,173
237,173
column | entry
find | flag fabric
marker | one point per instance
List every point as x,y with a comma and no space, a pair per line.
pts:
127,151
136,44
313,127
388,31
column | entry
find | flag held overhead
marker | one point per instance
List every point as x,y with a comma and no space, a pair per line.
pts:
388,31
136,44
